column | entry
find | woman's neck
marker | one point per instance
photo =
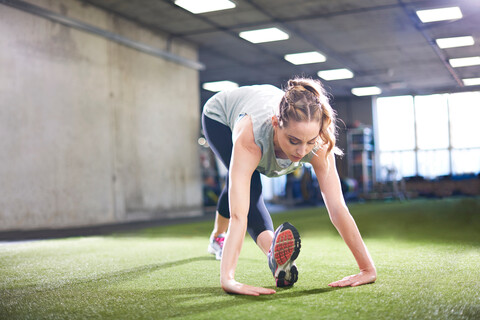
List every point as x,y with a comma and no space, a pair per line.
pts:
278,151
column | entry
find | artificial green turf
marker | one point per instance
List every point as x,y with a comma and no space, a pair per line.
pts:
427,253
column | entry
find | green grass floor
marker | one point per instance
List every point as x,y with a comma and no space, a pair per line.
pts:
427,254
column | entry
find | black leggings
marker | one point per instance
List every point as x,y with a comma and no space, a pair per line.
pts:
219,137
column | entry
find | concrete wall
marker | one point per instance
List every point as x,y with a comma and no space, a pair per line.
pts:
93,132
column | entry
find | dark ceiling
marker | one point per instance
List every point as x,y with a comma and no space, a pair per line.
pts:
382,41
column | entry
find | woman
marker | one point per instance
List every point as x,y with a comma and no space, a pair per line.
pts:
262,129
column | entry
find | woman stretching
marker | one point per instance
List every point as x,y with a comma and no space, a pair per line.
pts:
262,129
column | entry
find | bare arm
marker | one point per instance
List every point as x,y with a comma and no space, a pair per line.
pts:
342,220
245,157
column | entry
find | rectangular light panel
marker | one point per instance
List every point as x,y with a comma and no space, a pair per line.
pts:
202,6
305,57
335,74
471,82
217,86
464,62
454,42
366,91
441,14
264,35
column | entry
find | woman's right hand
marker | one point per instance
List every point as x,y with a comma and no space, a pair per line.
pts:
232,286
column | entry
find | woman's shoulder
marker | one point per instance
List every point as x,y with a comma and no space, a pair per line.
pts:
243,131
317,155
257,89
244,139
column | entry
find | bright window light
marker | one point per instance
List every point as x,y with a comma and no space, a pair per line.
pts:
465,161
439,134
264,35
335,74
395,114
305,57
464,62
431,116
464,115
217,86
445,43
202,6
439,14
366,91
471,81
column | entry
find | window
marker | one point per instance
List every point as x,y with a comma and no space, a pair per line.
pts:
431,116
396,138
464,117
428,136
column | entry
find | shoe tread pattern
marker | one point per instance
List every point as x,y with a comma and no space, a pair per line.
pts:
287,249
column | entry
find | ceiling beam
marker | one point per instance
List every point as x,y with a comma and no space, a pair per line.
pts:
79,25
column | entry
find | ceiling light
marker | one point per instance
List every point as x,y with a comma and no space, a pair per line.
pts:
305,57
335,74
366,91
217,86
464,62
264,35
455,42
439,14
202,6
471,81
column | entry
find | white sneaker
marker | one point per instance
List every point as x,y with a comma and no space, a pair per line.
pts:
281,257
216,246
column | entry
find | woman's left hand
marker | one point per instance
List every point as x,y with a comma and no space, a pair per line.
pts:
363,277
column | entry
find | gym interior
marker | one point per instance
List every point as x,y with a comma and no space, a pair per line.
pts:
100,132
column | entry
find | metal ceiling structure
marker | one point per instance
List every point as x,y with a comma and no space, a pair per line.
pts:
382,41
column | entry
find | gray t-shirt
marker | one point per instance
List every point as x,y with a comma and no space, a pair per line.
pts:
261,103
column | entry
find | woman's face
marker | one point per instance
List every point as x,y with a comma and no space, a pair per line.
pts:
298,139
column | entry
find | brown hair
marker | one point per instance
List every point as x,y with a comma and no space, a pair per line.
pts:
306,100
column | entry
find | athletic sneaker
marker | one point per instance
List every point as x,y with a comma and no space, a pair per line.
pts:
281,257
216,246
